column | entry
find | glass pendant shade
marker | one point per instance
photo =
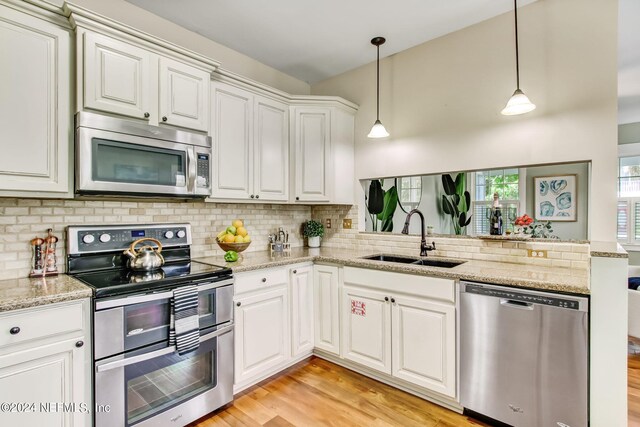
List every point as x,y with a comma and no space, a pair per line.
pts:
378,131
519,103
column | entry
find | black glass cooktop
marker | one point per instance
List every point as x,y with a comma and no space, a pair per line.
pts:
123,281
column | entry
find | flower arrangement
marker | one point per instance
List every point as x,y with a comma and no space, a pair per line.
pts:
536,229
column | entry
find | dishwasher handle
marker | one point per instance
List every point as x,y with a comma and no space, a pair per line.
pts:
516,304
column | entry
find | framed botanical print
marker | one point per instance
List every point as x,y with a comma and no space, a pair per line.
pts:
556,198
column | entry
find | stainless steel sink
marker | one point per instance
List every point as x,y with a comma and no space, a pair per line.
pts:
430,262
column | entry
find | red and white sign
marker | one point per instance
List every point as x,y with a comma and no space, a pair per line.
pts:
358,308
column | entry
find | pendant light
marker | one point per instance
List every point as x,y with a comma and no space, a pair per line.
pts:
378,130
519,102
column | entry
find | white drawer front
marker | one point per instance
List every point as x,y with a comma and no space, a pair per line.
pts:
260,279
39,322
430,287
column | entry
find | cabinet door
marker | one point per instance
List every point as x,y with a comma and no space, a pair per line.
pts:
117,77
35,115
301,310
263,339
424,350
326,301
313,152
184,95
231,125
366,328
45,375
271,149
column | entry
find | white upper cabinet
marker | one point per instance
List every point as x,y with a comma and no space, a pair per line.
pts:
231,125
271,149
183,95
124,79
323,142
35,113
116,78
313,153
125,72
251,145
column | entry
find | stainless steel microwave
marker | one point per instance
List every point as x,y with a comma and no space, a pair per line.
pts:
123,157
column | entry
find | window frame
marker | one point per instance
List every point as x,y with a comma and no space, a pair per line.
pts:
628,150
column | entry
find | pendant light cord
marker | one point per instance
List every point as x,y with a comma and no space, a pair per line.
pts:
378,85
515,11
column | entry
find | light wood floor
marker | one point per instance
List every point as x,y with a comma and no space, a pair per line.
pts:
316,392
633,389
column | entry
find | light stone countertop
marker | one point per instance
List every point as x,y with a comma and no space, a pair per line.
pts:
32,292
608,250
518,275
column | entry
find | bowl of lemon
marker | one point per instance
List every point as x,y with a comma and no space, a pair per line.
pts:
234,238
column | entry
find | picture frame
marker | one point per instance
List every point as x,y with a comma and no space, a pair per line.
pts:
556,198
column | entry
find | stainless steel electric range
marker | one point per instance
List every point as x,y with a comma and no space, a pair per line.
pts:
139,379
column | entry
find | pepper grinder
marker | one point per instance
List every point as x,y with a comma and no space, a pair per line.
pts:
50,261
38,262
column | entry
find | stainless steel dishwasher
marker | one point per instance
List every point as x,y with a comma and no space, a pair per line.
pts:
524,356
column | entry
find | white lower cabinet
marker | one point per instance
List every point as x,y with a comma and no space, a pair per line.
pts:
401,325
326,295
366,336
301,285
262,333
273,321
45,370
423,344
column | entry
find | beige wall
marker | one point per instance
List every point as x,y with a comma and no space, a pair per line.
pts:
441,100
231,60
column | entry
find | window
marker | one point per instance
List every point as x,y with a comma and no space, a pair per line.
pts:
628,215
508,183
409,192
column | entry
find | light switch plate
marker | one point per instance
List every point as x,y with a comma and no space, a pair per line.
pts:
328,222
346,223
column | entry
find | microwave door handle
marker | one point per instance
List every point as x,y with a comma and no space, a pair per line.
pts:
191,170
162,352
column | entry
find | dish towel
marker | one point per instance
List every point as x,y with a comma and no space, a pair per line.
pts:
184,329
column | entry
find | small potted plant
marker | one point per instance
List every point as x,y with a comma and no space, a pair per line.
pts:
313,230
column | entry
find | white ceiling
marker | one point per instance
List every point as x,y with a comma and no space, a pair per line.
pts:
315,40
628,61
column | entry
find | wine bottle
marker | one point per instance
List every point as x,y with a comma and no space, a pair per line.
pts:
495,217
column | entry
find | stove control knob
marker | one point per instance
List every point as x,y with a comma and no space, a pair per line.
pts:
105,238
168,234
88,238
181,234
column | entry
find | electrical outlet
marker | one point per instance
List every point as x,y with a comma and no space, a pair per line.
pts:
537,254
346,223
328,221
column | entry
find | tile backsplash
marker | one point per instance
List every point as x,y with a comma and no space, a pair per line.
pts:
23,219
559,254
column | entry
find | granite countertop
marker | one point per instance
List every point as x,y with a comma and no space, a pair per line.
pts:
608,250
27,292
519,275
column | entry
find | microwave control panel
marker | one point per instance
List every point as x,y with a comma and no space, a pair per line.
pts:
202,170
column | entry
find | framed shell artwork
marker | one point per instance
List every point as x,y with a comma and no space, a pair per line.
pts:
556,198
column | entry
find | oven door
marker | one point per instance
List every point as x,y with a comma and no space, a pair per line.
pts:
111,162
125,324
157,387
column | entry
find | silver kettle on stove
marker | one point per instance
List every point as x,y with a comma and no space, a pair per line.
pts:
145,258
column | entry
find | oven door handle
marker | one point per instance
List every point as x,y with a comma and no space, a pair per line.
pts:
121,302
162,352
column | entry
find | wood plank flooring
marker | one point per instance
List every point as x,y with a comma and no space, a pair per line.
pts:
319,393
633,389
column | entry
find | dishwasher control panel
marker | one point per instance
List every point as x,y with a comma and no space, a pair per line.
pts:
525,298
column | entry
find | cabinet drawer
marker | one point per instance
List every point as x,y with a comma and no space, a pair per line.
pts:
39,323
430,287
260,279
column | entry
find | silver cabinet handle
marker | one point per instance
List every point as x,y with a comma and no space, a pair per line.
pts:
162,352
